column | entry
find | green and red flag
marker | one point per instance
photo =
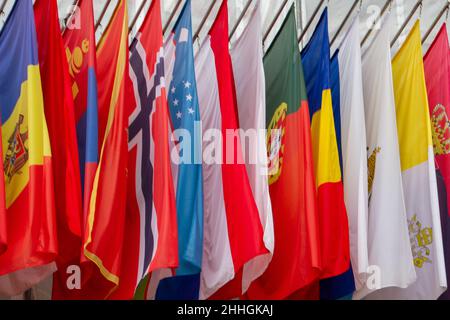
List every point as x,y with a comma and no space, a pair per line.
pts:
296,261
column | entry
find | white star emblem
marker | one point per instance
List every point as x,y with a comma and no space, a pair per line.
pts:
187,84
191,111
175,102
173,90
189,97
179,114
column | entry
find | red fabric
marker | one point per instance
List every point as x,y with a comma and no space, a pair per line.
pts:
334,240
59,111
296,262
244,226
104,241
166,254
31,224
437,75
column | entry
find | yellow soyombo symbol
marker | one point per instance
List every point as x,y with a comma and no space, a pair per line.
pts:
276,134
76,59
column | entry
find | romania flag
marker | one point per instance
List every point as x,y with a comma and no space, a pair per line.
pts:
332,213
26,155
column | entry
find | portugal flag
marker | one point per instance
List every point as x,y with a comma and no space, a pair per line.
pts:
296,260
104,234
59,112
334,238
27,163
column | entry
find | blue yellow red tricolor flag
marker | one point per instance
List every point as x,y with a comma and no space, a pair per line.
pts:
333,217
79,40
27,161
59,113
104,235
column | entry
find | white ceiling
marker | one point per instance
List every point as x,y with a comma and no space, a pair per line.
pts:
337,11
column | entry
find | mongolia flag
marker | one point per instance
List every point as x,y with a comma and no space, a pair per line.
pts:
59,112
437,75
418,174
334,237
79,39
104,241
296,260
27,162
151,225
233,229
188,177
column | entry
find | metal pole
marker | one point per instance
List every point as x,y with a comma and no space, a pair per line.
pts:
316,11
383,11
435,22
70,15
172,15
355,4
272,24
102,15
204,19
2,8
413,11
138,13
249,2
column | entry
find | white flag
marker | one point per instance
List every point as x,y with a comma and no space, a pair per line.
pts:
247,56
390,257
419,174
217,265
354,151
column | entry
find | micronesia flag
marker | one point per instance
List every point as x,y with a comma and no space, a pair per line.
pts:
184,112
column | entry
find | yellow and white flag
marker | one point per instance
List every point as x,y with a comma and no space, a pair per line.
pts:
418,173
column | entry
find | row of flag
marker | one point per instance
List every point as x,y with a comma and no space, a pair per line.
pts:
352,201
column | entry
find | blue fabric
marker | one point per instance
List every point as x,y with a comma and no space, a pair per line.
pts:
18,50
185,112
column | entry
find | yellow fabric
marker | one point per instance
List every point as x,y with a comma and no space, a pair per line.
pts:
118,83
325,150
411,100
30,105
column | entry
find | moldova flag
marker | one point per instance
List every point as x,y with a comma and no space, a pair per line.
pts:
334,237
296,261
59,112
27,159
79,40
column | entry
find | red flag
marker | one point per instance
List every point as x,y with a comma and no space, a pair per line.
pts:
244,226
59,113
151,222
103,241
437,74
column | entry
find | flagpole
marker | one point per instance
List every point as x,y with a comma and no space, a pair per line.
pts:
272,24
70,15
316,11
172,15
109,22
413,11
383,11
102,15
204,19
2,8
349,14
249,2
138,13
435,22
